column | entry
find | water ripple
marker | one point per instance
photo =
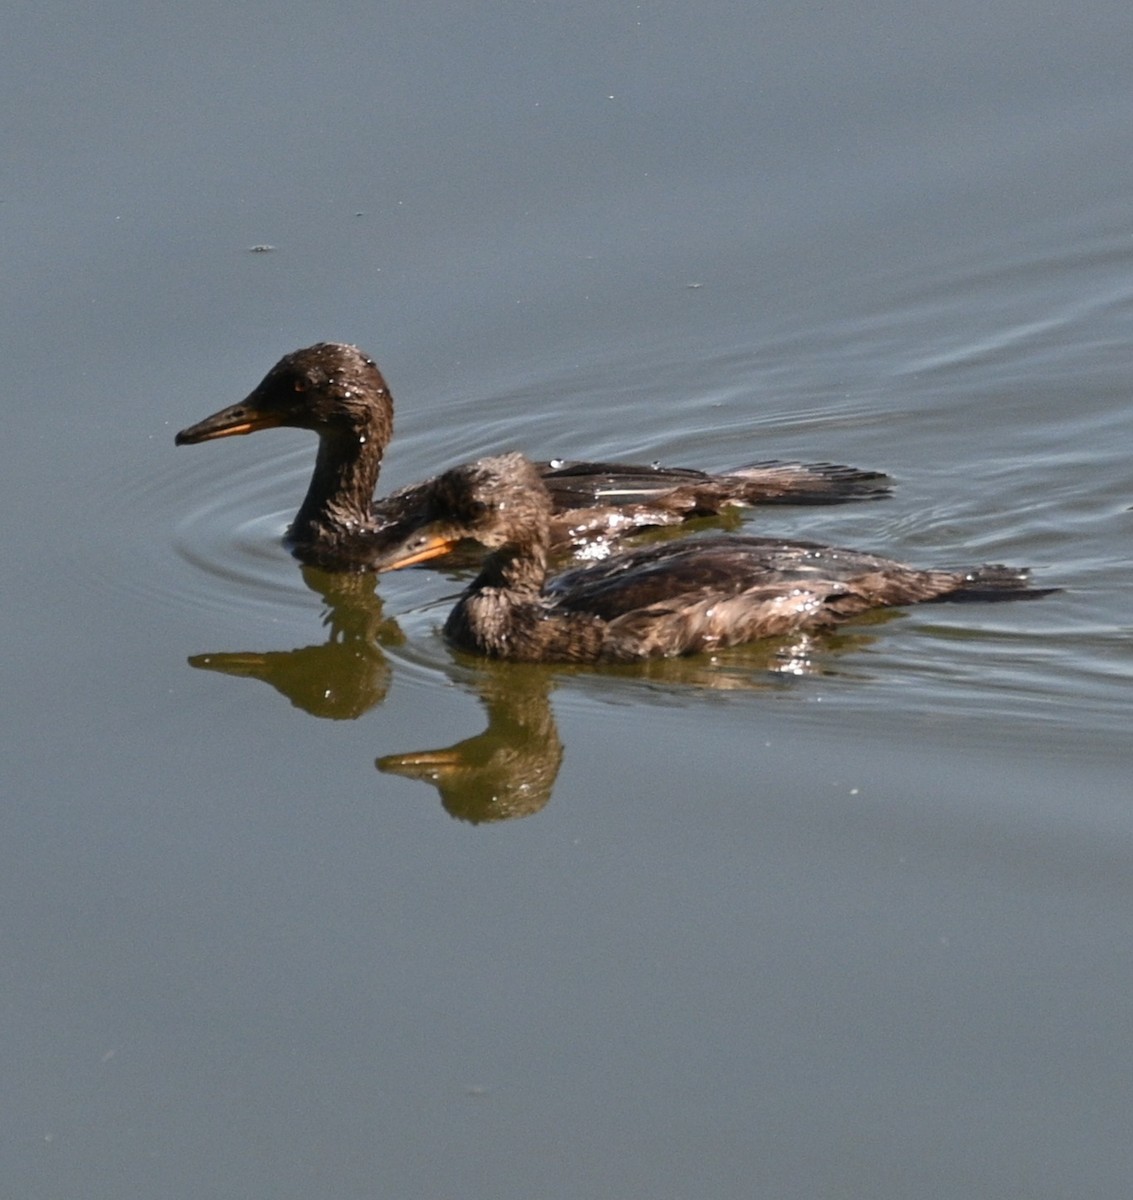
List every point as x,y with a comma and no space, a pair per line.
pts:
994,391
204,532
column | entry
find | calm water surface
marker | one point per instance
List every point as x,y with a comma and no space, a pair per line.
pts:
845,916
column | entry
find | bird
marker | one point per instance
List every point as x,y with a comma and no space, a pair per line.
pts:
667,599
337,391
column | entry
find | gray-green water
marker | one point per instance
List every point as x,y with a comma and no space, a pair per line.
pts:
850,921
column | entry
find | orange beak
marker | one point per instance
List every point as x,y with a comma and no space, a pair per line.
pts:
236,419
432,546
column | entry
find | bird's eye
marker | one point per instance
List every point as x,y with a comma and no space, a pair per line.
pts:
300,385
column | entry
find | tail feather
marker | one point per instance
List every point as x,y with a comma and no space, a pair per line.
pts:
808,483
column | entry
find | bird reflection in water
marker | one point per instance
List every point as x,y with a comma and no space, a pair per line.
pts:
509,770
340,679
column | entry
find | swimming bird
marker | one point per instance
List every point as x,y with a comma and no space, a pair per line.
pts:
337,391
667,599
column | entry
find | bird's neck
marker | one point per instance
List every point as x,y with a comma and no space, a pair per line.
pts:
500,609
518,570
339,500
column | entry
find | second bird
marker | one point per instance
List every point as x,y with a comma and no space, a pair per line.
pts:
337,392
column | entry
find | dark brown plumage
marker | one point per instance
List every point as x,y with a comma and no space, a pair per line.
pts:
338,392
661,600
